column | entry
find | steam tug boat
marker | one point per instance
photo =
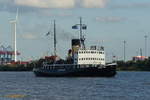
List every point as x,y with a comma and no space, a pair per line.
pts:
81,62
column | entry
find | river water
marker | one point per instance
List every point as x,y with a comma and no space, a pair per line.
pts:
25,86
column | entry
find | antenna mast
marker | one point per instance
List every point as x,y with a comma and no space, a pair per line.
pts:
145,45
124,49
55,38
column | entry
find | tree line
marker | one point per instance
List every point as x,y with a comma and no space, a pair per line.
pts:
131,65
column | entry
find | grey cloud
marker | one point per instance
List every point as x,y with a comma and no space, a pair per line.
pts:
46,3
131,5
94,3
110,19
10,6
35,5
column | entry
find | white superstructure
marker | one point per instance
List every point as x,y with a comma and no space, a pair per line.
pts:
90,56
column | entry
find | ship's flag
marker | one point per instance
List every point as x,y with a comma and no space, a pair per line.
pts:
75,27
84,27
47,33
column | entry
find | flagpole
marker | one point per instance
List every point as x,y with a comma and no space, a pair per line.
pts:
81,36
80,27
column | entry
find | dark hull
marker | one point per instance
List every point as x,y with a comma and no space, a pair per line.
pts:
107,71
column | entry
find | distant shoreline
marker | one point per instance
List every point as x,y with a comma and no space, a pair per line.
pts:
141,65
15,68
121,66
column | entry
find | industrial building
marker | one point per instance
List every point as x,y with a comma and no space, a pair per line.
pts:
6,54
139,58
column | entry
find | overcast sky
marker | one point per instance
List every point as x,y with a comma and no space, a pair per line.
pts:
109,23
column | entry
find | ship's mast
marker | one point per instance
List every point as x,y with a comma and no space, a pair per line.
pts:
81,35
55,38
80,27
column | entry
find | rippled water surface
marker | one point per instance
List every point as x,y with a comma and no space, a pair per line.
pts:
25,86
